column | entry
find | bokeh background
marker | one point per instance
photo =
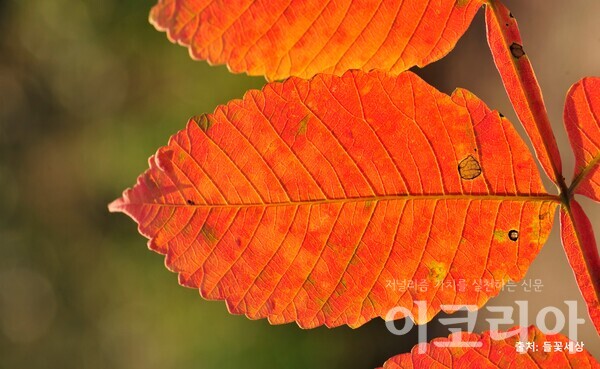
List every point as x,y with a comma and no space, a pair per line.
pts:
88,91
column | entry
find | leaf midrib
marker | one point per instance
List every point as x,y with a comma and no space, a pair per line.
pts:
437,197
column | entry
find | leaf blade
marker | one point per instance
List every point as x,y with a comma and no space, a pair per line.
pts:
520,82
577,235
582,122
303,38
305,220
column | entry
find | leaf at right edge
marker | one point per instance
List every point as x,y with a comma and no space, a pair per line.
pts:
582,121
493,354
282,38
580,246
311,201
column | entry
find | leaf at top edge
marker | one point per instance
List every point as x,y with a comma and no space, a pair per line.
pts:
310,201
301,38
578,240
496,353
582,121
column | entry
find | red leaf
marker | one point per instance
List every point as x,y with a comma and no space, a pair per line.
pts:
493,354
582,120
522,87
582,110
303,201
301,38
580,246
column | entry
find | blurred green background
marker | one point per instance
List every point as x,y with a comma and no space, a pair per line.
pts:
88,91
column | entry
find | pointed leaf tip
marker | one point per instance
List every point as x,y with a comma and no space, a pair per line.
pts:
116,205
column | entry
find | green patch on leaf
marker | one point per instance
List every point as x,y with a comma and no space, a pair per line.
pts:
209,234
302,127
203,121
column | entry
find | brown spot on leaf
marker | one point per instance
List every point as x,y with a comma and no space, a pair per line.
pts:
516,50
469,168
190,202
513,234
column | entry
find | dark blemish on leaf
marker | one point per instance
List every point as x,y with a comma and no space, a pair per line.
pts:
511,15
543,216
507,25
501,115
516,50
190,202
469,168
203,122
513,235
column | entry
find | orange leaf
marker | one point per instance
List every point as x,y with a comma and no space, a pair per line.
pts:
303,201
494,354
580,246
582,120
301,38
522,87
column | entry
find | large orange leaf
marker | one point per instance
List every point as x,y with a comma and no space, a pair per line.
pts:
522,87
580,246
582,120
304,201
497,353
280,38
